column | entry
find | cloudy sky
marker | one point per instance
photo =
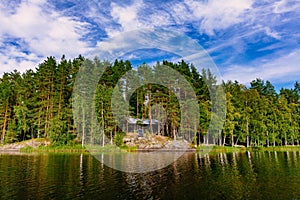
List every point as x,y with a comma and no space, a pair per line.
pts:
246,39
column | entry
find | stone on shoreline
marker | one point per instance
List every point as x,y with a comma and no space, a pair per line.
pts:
152,141
34,143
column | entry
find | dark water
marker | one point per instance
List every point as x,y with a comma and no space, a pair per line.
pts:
257,175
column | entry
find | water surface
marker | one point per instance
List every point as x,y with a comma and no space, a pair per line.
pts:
256,175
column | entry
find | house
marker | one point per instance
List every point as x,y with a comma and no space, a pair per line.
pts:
138,124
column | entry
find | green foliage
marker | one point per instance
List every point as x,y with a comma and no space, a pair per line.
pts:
119,139
57,149
38,104
262,117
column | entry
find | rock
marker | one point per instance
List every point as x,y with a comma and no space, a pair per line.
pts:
157,146
125,140
34,143
153,141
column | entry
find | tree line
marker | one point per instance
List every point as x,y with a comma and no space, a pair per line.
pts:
38,104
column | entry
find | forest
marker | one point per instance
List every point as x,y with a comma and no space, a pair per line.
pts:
38,104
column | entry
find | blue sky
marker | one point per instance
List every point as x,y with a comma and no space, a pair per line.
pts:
246,39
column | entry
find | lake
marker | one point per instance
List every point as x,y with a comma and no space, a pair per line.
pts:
255,175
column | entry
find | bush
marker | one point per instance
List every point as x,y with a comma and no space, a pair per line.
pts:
119,139
27,149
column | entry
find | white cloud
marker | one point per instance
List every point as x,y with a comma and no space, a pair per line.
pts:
44,31
283,6
159,19
271,33
126,16
181,13
280,70
213,14
15,59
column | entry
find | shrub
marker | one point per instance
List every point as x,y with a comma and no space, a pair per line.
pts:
119,139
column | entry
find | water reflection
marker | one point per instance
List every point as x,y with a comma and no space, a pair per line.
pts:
275,156
249,175
139,162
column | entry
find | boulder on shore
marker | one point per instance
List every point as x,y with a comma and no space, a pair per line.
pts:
152,141
34,143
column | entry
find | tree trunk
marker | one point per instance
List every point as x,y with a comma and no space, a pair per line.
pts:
83,125
102,116
195,133
137,104
285,139
39,124
174,132
111,137
47,116
247,133
158,118
149,108
5,122
267,138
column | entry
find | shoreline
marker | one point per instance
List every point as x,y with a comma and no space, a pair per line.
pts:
112,149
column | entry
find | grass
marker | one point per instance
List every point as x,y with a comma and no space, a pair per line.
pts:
229,149
219,149
277,148
73,148
77,149
128,149
111,148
